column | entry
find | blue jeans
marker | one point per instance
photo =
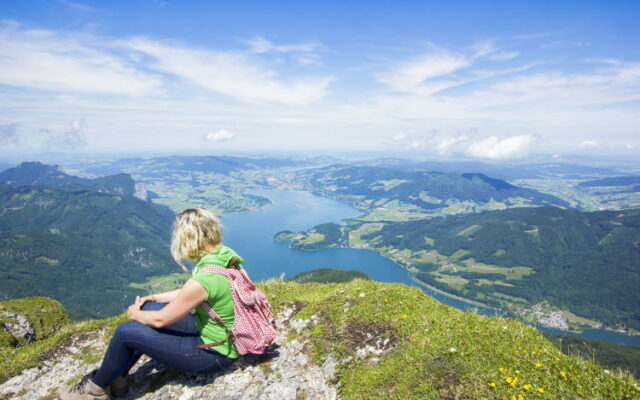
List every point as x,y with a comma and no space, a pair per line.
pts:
175,345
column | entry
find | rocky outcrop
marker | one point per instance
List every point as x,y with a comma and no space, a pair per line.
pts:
140,191
19,327
286,374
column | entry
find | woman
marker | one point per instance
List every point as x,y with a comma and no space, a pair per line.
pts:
162,326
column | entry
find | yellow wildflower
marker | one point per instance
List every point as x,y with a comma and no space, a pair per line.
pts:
508,380
520,397
500,369
514,381
492,384
538,365
527,387
405,316
517,371
541,390
563,374
557,359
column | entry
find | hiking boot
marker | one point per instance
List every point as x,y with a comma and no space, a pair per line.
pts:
85,389
120,386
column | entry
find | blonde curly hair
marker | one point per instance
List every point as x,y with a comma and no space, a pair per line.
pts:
196,232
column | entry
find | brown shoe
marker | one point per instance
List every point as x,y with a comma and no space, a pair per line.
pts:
85,389
120,386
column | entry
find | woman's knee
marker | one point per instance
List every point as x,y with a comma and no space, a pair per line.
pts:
129,329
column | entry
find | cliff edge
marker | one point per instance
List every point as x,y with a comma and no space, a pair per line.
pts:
356,340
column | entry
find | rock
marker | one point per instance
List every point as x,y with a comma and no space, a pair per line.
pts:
18,326
289,375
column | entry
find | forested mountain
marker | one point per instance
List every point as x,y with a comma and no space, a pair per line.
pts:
588,263
38,174
619,184
377,186
78,243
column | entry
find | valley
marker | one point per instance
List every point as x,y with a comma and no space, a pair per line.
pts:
398,205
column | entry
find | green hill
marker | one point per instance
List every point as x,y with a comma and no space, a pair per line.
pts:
385,340
419,192
80,246
588,263
44,316
328,275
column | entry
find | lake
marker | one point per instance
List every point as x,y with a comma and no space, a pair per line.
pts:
251,234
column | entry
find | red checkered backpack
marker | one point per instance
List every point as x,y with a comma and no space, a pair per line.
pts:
254,329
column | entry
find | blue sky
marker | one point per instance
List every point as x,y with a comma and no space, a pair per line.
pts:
492,80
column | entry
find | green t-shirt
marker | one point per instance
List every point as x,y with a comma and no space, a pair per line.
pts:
219,298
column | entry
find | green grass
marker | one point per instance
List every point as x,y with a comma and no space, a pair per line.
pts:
438,351
433,351
45,315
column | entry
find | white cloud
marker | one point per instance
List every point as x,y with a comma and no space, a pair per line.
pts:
9,134
71,139
444,145
229,73
505,55
67,62
261,45
430,141
221,135
494,148
586,144
416,76
78,6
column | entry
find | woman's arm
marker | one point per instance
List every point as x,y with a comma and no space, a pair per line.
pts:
164,297
187,298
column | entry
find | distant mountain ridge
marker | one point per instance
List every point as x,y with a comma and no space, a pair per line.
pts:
38,174
624,184
79,241
427,190
156,166
613,181
504,171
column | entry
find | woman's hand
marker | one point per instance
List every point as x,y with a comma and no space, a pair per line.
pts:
135,307
187,298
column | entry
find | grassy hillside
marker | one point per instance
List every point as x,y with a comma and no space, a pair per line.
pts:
607,354
46,316
393,341
328,275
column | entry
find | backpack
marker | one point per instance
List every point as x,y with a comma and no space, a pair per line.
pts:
254,329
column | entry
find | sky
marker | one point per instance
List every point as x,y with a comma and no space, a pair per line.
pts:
487,80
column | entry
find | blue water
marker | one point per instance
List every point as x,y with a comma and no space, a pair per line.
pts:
251,233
